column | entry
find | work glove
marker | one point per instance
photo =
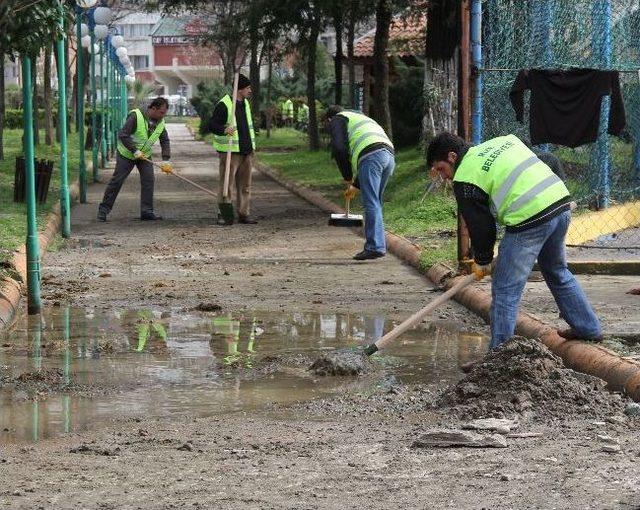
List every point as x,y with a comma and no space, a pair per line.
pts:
350,192
166,167
139,155
482,270
230,130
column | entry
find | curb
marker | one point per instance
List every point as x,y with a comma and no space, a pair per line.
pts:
621,374
11,289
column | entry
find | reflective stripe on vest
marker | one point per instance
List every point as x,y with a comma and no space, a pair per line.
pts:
141,137
221,142
519,184
362,132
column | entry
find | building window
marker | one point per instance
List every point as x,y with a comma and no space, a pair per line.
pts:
136,30
139,62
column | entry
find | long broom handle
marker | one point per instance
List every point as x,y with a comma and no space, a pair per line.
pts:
227,162
419,315
195,184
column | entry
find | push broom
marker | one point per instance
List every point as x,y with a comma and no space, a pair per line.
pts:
182,178
346,220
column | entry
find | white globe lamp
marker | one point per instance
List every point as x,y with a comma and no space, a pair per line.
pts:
102,15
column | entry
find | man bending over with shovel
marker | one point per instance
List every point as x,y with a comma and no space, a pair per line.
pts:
503,177
359,145
140,132
243,143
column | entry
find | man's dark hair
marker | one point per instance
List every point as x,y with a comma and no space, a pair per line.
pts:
442,145
332,111
159,102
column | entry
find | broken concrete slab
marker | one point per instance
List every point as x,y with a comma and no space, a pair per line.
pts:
499,425
453,438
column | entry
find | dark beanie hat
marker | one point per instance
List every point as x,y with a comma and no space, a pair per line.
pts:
243,82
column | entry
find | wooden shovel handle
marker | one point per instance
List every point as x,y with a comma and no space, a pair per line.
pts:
421,314
227,162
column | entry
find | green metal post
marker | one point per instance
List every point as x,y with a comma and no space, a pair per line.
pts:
33,243
107,132
123,99
65,205
82,170
94,103
103,141
66,400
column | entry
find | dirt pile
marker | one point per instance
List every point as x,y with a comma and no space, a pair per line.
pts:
523,377
340,363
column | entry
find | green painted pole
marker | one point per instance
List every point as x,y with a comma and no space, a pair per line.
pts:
94,102
107,132
65,205
123,106
103,138
34,303
82,170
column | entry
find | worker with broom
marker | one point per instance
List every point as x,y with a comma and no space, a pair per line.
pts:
140,132
503,175
242,148
359,145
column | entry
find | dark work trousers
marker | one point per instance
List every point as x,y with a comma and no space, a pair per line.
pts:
122,171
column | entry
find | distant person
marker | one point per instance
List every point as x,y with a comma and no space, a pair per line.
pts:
242,151
140,132
303,116
360,146
502,179
287,113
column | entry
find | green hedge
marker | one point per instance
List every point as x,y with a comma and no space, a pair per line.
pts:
13,117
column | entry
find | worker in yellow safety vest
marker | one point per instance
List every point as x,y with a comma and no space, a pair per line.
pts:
141,130
287,113
242,151
362,149
503,180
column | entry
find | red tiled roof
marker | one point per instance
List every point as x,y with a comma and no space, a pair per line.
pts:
406,37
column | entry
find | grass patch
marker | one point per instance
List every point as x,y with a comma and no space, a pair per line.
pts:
429,220
13,216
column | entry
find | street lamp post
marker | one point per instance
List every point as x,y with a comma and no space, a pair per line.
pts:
65,206
94,119
34,303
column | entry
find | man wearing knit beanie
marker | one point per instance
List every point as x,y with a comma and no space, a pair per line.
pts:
243,145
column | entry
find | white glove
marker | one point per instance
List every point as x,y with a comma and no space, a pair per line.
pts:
139,155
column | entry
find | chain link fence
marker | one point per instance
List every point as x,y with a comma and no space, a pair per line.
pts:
603,177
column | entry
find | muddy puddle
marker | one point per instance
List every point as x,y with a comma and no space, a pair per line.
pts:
72,369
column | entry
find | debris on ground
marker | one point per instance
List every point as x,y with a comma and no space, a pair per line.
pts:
208,307
523,377
340,363
499,425
453,438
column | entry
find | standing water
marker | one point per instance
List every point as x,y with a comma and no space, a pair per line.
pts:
72,369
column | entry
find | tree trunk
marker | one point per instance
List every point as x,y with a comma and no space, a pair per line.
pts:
312,43
269,79
36,103
254,74
2,105
338,25
48,120
381,65
351,35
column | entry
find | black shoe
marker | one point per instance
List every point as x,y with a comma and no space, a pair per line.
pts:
368,255
150,217
224,222
247,220
102,216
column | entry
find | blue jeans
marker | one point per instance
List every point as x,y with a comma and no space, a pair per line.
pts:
374,170
517,254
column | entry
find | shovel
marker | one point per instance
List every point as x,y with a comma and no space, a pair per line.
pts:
419,315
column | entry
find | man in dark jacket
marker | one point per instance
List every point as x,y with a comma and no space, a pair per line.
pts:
140,132
240,132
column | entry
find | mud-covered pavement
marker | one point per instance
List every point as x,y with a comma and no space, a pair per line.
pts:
341,444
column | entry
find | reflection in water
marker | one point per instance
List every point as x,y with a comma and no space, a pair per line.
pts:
152,363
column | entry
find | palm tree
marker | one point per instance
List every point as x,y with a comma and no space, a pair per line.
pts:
139,92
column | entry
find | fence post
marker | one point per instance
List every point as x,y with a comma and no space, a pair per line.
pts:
94,103
601,49
34,303
476,58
